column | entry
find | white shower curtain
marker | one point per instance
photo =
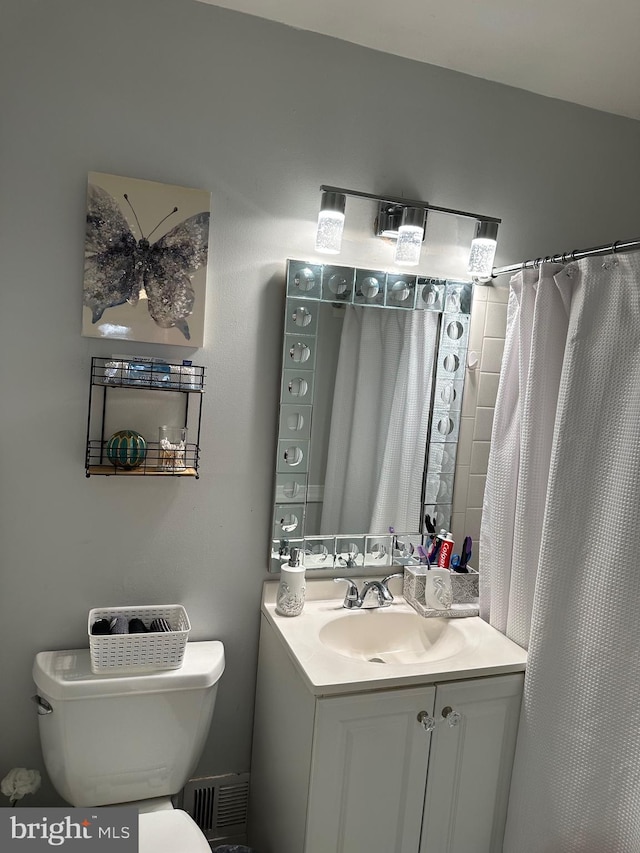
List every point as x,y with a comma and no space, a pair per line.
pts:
572,570
518,470
379,421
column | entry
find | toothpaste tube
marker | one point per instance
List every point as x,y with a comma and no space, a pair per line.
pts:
446,550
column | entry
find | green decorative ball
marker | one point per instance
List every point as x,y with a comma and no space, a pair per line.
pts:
126,449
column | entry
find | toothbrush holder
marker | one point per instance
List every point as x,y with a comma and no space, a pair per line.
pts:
414,583
465,586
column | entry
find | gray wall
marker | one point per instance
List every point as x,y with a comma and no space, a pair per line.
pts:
261,115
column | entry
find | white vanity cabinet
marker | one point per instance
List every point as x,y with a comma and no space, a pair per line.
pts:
470,763
359,773
368,770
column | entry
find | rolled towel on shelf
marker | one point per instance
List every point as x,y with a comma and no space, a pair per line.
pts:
137,626
119,625
101,626
160,626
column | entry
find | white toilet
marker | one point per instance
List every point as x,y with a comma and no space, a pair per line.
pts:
129,739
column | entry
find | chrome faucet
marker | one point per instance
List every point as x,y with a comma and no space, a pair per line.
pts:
372,591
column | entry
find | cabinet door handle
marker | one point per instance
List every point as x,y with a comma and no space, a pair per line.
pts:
426,721
451,716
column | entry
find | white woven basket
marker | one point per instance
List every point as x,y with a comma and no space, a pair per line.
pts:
128,653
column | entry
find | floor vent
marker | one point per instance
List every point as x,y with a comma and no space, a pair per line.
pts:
219,804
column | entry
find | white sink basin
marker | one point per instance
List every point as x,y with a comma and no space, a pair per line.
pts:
340,651
387,637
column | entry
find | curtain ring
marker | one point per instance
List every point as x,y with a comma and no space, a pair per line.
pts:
613,261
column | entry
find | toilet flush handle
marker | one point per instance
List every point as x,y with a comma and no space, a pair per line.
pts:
43,706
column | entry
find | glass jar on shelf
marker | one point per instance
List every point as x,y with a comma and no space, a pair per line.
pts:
172,448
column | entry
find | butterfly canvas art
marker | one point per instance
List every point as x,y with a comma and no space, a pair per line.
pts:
145,261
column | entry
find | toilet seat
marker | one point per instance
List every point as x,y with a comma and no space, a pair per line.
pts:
170,831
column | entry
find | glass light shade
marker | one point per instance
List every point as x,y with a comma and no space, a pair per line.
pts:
483,250
329,233
410,235
330,222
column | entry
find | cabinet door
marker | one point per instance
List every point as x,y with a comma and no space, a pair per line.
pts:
470,765
368,773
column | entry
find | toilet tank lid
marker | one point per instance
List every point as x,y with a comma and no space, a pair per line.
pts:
67,674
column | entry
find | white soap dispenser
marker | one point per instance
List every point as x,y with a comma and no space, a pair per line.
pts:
292,587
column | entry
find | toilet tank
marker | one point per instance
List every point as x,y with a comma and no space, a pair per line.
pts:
116,738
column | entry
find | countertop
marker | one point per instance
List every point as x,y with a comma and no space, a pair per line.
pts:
326,672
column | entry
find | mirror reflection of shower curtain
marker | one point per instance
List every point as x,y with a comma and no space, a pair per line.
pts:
379,421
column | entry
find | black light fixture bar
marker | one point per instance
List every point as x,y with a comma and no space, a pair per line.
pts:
409,202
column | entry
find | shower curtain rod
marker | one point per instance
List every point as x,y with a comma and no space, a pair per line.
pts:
575,255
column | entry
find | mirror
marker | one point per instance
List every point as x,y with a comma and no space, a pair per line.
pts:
370,400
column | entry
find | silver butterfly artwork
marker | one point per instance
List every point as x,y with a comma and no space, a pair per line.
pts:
118,266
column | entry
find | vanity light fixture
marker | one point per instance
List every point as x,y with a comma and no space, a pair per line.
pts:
389,220
483,250
404,219
330,222
410,236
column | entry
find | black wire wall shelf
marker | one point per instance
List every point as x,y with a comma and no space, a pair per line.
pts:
134,455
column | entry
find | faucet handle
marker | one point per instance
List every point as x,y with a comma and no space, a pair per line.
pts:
352,597
385,581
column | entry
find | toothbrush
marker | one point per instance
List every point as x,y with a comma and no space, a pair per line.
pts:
465,555
432,553
394,544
